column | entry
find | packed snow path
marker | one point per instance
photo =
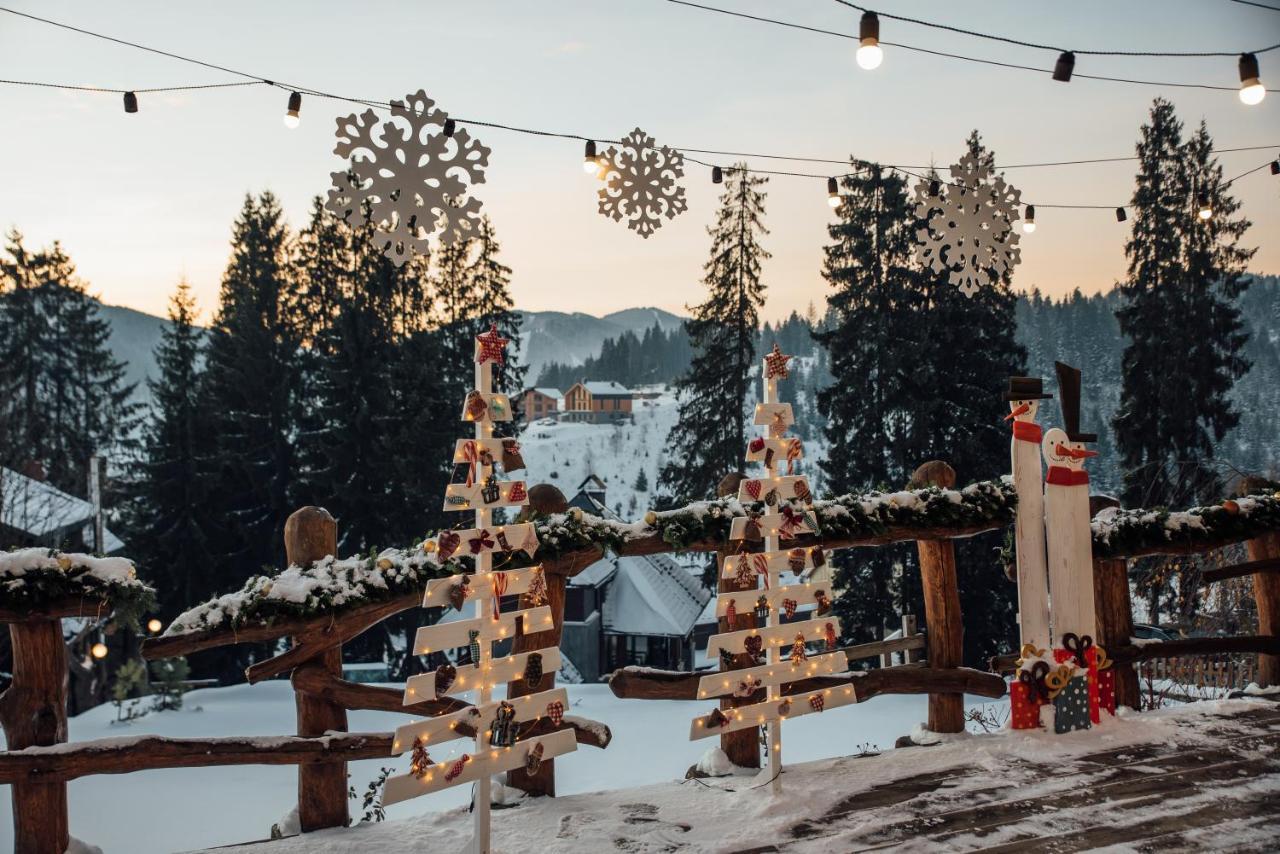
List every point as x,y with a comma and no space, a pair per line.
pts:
1205,775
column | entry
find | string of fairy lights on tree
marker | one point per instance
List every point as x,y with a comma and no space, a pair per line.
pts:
869,55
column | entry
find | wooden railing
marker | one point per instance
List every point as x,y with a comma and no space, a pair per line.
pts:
33,709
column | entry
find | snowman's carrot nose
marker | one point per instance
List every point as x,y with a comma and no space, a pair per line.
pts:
1075,453
1026,407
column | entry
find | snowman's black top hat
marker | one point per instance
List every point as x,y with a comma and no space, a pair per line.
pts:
1069,399
1026,388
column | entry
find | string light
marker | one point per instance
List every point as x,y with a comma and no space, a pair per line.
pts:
291,118
130,102
870,54
1064,66
154,625
1121,216
590,162
1029,223
1202,202
1251,89
717,176
833,193
98,650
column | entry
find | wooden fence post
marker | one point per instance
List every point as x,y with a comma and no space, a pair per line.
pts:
1114,608
309,535
941,605
742,747
34,712
543,499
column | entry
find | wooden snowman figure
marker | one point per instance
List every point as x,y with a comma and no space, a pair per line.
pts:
1070,560
1023,396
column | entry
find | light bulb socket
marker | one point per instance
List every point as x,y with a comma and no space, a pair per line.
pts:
1202,199
1121,216
1275,167
449,127
295,103
935,187
1065,65
1031,215
130,102
833,189
717,176
1249,70
869,29
590,153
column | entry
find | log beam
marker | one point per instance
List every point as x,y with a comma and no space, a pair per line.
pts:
1266,645
76,606
1265,550
1115,623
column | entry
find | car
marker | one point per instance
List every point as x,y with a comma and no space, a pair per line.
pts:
1144,632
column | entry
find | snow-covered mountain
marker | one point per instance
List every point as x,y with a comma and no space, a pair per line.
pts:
557,336
134,336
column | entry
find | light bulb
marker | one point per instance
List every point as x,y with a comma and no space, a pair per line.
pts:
1202,202
590,163
869,55
1029,224
291,118
99,650
1251,89
154,625
833,193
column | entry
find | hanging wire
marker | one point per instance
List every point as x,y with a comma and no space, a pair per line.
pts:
72,88
949,55
1259,5
1055,48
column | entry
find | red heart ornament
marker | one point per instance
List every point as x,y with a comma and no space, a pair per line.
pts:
754,644
518,492
753,489
447,543
789,607
817,702
555,711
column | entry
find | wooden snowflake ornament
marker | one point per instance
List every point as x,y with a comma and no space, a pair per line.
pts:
407,176
640,183
969,235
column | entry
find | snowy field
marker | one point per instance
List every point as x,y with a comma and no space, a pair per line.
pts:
151,812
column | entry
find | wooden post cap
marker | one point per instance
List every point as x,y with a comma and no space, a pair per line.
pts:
544,499
728,486
1098,503
934,473
310,533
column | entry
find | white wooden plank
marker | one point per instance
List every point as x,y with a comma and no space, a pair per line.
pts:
772,636
770,526
722,683
457,633
490,761
746,717
1029,539
782,448
745,600
766,413
493,446
786,487
518,581
779,561
442,727
499,408
511,493
423,686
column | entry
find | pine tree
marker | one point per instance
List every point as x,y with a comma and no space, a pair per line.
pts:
249,391
709,438
491,280
1183,330
170,529
874,352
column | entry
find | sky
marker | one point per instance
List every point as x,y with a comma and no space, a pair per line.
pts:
142,200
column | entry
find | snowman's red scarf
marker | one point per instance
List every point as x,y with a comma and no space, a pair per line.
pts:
1027,431
1063,476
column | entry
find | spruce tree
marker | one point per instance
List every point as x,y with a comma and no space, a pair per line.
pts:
874,353
1178,314
170,529
248,388
710,435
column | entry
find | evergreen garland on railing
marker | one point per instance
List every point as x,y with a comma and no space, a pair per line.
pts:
35,579
1119,532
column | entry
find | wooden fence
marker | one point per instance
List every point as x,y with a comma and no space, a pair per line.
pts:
33,709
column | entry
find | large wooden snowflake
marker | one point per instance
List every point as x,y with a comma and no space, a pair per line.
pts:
969,235
408,177
640,183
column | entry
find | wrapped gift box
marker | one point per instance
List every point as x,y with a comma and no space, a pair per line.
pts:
1071,706
1025,705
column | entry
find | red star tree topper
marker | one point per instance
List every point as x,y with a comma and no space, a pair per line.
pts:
776,364
493,346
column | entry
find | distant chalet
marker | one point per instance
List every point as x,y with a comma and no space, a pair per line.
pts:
598,402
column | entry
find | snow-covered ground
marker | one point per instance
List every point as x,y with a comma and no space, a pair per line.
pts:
182,809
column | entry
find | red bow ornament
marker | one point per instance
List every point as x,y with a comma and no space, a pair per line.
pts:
480,541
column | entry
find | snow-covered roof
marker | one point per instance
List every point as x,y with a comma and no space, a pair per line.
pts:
42,511
595,575
606,389
653,595
549,392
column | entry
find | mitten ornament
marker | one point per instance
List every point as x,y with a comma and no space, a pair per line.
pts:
802,490
476,408
824,602
533,759
754,645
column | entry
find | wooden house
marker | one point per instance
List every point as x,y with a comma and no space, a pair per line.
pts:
540,403
598,402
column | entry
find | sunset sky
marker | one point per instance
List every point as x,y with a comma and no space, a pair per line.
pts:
142,200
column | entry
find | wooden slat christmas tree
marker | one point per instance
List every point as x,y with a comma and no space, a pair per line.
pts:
497,725
778,649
